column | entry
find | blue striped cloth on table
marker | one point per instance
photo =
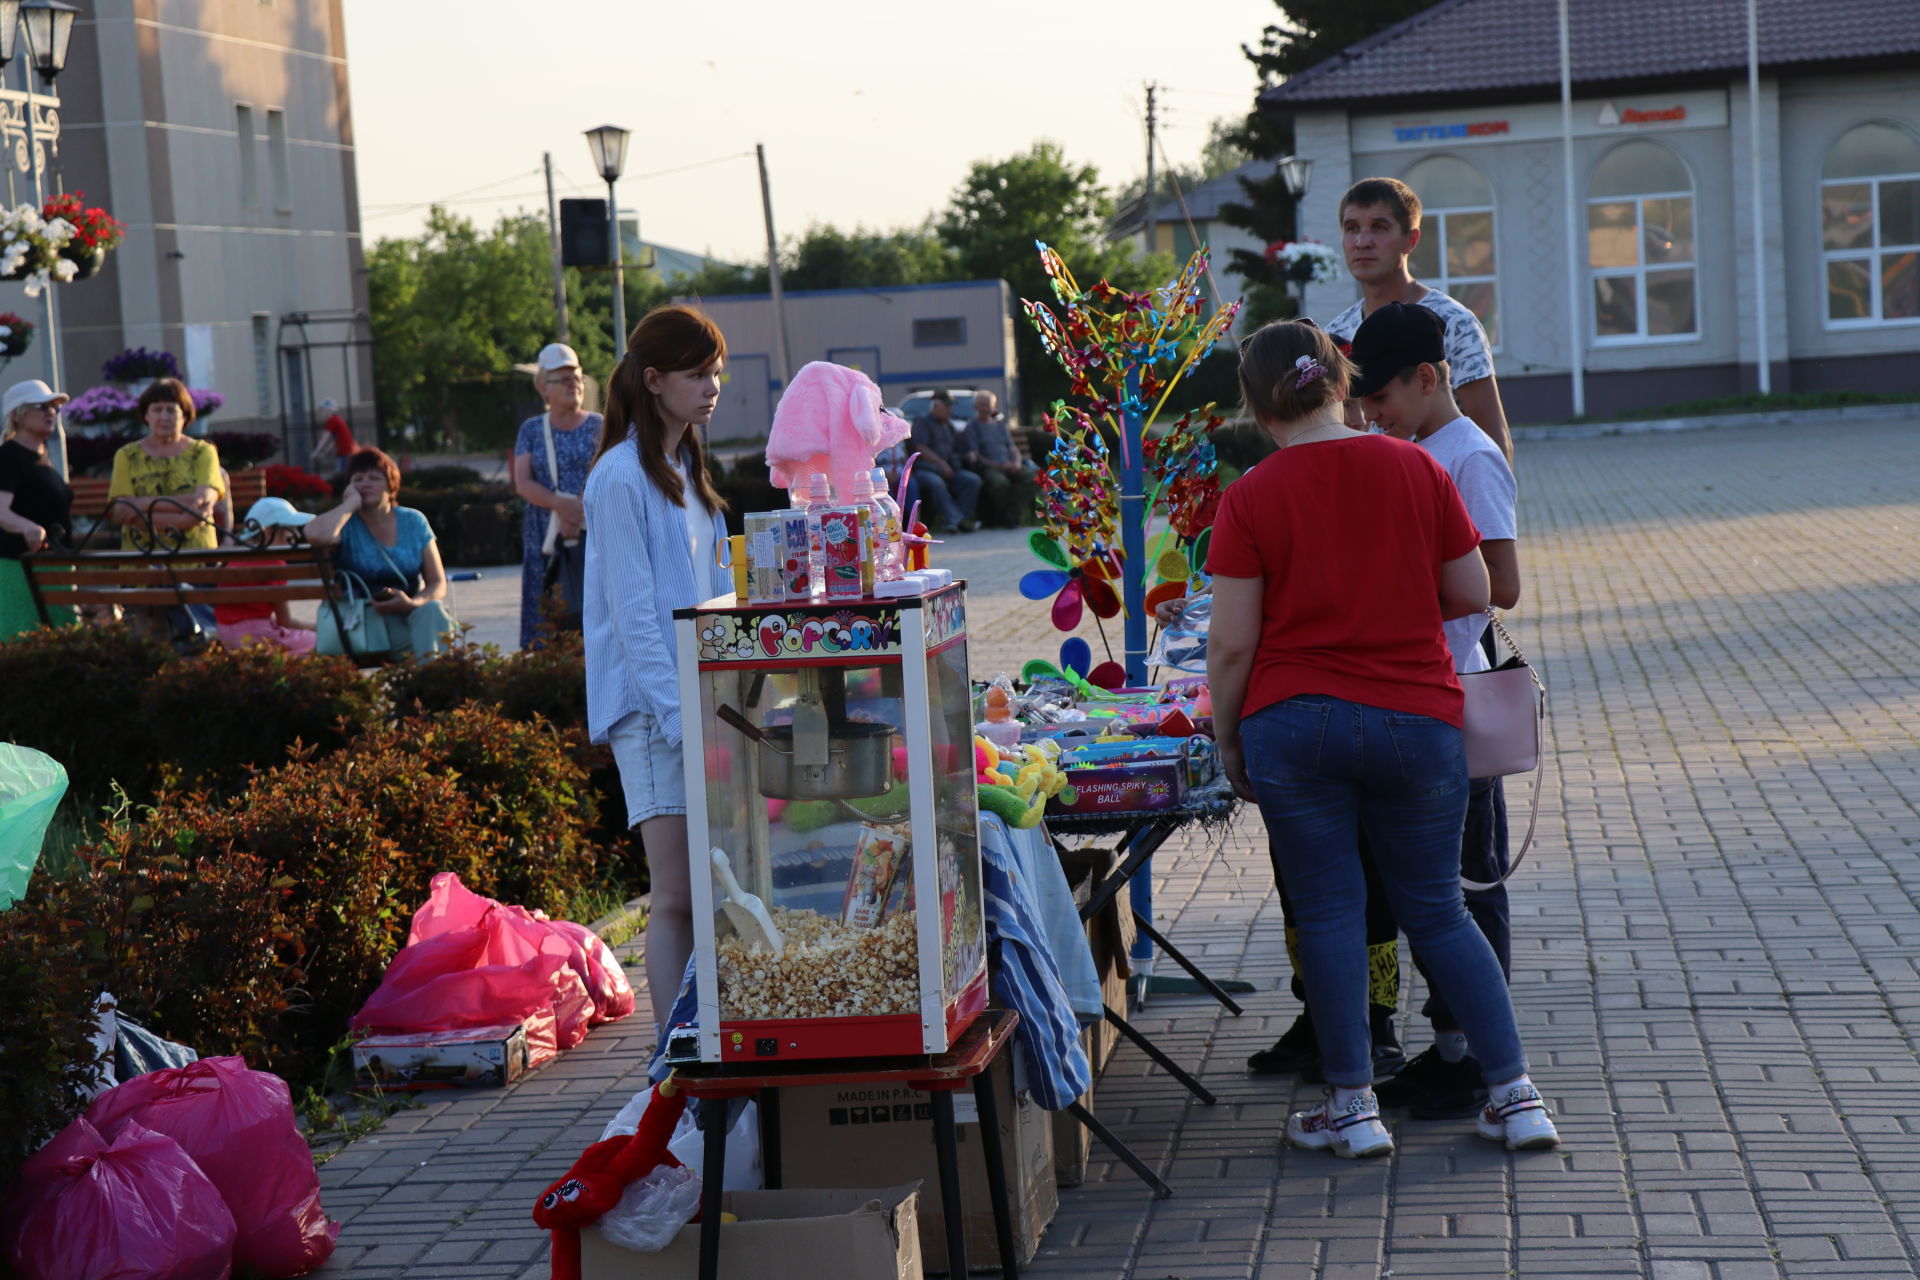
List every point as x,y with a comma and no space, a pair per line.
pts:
1026,978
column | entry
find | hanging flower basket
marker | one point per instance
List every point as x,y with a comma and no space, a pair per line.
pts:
32,248
86,264
95,232
16,335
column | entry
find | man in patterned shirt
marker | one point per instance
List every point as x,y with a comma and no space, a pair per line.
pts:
1379,227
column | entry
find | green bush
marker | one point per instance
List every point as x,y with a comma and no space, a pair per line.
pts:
214,717
76,697
477,524
46,1019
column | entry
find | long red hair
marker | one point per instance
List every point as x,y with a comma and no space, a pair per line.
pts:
670,340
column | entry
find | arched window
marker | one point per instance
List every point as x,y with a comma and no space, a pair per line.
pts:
1455,253
1640,245
1870,227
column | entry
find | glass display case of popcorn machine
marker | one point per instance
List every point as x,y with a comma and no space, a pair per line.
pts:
833,823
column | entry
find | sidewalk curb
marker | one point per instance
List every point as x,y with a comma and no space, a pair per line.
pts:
1768,418
635,912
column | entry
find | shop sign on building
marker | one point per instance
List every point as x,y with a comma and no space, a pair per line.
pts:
1533,121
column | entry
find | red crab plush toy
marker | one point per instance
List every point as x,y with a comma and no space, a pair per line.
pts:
601,1174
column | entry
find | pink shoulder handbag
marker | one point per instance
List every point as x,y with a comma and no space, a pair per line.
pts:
1504,726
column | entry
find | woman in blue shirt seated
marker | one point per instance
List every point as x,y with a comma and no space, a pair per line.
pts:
392,549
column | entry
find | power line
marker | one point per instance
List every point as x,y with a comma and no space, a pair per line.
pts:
572,187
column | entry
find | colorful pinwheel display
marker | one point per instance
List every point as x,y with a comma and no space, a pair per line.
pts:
1123,354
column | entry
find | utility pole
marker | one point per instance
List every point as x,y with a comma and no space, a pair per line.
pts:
783,358
1153,228
553,243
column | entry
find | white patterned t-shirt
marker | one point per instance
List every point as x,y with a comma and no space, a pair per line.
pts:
1469,354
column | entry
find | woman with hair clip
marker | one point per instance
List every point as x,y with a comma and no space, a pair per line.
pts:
656,520
1336,708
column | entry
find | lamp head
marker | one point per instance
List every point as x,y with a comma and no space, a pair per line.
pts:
9,29
1295,173
608,144
49,25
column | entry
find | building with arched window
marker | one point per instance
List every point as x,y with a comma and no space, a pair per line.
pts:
1462,103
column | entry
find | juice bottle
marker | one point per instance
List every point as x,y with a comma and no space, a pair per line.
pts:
812,498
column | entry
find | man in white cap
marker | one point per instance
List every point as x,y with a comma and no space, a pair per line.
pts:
336,443
267,622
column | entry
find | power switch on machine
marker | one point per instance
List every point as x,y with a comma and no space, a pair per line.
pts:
767,1047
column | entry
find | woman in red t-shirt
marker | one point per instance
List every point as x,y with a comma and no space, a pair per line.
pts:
1336,708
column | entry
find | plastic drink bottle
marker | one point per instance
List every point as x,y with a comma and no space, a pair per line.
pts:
883,523
814,497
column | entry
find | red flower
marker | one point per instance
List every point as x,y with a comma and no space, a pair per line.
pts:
93,228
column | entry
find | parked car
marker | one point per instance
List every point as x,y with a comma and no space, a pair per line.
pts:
916,402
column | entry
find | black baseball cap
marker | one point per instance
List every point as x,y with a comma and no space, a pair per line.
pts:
1396,336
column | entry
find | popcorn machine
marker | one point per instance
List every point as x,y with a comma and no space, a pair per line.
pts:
834,827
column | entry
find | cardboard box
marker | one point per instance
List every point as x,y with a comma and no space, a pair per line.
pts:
442,1059
1073,1141
881,1135
852,1234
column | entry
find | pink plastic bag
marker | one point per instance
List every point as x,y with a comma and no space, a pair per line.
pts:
606,979
584,995
136,1209
238,1126
446,982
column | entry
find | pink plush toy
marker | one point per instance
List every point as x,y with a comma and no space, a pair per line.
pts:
830,420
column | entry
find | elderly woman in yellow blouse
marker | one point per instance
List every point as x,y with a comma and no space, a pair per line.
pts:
166,479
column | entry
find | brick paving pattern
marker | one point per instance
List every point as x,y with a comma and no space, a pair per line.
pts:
1714,950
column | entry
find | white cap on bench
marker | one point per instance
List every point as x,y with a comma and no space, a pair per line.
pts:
269,512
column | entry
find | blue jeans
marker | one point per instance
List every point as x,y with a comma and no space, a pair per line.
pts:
1324,768
1483,857
950,498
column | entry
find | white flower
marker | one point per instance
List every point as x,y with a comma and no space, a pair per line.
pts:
12,258
64,269
35,283
59,231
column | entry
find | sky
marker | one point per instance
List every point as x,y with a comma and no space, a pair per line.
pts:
871,113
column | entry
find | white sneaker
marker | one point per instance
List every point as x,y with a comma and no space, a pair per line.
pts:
1515,1115
1352,1134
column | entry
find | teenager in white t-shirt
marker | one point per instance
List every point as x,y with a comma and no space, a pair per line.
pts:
1403,387
1379,227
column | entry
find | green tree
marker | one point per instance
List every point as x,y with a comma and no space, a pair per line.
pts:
999,211
828,258
454,308
1310,32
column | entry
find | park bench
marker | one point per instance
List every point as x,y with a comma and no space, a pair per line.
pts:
163,578
90,501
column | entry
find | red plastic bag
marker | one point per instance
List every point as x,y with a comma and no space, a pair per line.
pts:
238,1126
136,1209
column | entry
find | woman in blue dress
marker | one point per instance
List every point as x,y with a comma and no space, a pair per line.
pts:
392,549
575,435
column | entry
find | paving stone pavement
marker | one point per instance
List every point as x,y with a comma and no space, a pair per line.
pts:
1714,939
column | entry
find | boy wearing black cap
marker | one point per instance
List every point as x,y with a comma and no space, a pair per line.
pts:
1403,388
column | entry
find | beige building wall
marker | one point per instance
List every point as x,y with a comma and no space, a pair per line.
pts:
220,132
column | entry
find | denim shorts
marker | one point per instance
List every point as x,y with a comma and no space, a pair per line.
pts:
652,775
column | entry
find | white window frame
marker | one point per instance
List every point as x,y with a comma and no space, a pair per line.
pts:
1638,273
278,160
244,129
1873,256
1443,281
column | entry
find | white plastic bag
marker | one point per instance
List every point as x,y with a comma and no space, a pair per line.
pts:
652,1211
688,1144
1182,645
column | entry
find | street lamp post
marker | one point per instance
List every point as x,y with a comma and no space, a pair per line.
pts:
34,119
608,144
1295,173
